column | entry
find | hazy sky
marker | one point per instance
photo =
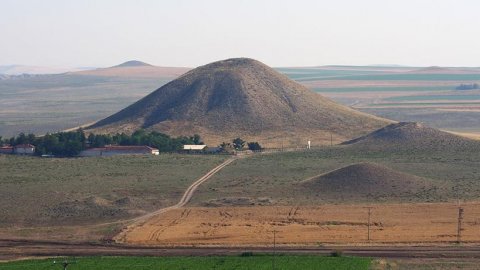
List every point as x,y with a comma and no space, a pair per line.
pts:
279,33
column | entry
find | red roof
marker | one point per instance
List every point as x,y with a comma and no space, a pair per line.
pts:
6,148
124,148
24,146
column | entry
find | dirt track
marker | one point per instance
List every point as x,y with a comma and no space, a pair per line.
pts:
10,249
183,201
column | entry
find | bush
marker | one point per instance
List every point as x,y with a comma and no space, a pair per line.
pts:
246,254
254,146
336,253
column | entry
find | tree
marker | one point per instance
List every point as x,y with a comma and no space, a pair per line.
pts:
196,139
254,146
238,144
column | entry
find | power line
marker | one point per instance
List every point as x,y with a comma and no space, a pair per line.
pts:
65,263
368,222
459,225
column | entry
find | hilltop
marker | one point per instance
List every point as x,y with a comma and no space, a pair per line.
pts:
133,63
135,69
245,98
412,135
371,181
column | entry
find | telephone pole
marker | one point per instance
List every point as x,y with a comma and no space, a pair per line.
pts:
274,248
459,226
368,223
65,263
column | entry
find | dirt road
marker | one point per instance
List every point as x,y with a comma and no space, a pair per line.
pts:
10,250
183,201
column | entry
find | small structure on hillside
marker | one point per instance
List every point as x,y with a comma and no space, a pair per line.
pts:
24,149
194,147
113,150
6,149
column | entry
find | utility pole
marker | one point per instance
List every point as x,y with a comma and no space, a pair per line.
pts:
368,223
274,248
331,139
64,264
459,226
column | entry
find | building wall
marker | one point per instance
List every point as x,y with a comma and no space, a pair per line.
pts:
106,153
24,151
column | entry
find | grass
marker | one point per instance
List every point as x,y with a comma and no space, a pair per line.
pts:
282,262
277,176
37,191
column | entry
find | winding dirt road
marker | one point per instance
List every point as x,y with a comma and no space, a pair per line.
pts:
187,196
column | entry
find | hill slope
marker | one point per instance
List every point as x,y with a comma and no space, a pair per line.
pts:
372,181
408,135
241,97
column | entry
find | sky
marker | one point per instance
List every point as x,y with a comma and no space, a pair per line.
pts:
98,33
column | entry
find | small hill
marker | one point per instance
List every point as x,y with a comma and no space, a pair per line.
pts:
133,63
444,70
135,69
372,181
412,135
241,97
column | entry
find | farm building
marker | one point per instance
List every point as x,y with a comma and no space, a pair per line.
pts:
113,150
6,150
24,149
193,147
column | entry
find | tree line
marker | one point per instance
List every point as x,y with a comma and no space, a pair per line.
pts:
239,144
73,142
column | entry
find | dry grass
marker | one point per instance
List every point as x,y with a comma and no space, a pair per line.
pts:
38,192
309,225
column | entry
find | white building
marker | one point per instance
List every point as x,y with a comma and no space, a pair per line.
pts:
24,149
194,147
113,150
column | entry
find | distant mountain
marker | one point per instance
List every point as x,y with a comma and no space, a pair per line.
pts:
446,70
136,68
241,98
133,63
21,69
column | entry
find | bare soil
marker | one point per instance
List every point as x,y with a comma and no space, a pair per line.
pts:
422,223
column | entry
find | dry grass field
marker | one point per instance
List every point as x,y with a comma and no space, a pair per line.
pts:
421,223
41,193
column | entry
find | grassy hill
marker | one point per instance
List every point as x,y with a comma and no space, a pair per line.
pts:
409,136
362,181
278,179
241,97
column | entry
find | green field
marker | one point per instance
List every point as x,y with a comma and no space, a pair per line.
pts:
434,97
407,77
420,104
258,262
309,74
384,89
